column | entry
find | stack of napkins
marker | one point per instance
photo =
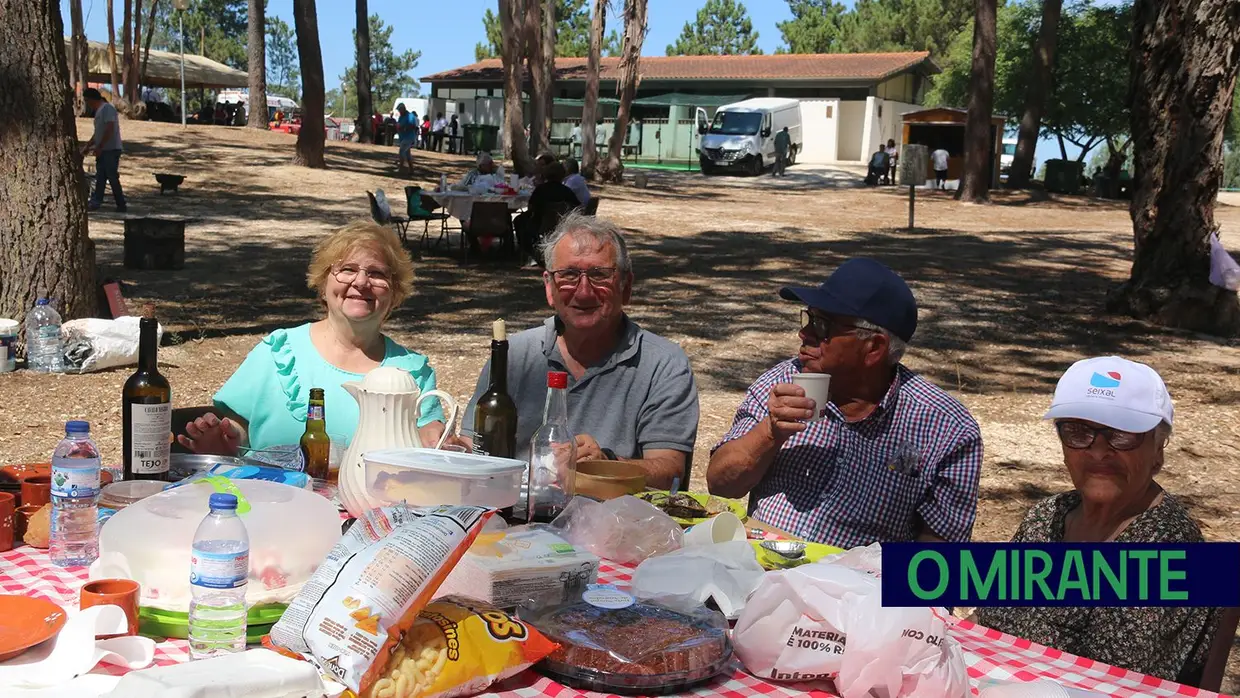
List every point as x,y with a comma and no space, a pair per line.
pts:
507,568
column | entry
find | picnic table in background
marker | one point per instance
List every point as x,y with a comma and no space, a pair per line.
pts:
989,655
460,204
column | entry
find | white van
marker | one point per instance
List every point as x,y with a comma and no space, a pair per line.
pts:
742,135
1007,156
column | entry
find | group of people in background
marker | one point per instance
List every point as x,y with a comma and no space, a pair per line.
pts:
410,133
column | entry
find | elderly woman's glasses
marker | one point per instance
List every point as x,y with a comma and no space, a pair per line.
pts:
820,326
1079,435
346,273
597,276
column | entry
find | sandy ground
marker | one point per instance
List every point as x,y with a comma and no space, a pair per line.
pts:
1011,293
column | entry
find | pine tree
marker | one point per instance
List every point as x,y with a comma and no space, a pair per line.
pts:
722,28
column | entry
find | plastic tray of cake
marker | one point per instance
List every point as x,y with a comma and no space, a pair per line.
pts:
612,642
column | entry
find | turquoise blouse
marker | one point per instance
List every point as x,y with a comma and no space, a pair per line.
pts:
271,388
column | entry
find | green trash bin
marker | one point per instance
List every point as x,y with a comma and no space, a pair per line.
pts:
489,137
471,135
1064,176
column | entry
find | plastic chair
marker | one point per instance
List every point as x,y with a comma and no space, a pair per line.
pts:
400,224
488,219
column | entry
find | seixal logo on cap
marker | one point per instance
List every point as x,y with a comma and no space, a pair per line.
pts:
1103,384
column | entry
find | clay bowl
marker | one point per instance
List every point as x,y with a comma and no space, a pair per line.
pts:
608,479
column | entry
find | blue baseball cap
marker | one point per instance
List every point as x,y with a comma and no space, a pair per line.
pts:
863,288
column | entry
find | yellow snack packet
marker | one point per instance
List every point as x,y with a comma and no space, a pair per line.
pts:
458,647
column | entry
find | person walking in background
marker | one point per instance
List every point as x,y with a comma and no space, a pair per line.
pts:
893,154
938,160
406,133
783,141
437,131
107,146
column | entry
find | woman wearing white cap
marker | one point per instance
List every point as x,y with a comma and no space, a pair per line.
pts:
1113,417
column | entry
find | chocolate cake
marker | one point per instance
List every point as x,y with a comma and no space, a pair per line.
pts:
643,648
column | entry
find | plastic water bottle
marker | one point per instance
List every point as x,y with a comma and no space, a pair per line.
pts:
75,497
219,571
44,351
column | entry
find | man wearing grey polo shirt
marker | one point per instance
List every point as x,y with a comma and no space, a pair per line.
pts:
631,393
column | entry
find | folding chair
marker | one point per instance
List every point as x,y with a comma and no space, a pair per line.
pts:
421,207
1220,648
591,207
488,219
400,224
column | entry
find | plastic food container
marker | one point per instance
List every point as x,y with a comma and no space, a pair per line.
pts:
430,477
612,643
119,495
291,530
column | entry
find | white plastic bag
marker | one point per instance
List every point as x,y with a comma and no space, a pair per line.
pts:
626,529
95,344
1224,271
726,572
826,621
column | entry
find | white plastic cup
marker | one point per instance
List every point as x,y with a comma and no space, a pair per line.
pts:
443,182
817,388
515,181
719,529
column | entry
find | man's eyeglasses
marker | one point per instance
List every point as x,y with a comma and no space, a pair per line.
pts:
379,278
820,326
1079,435
597,276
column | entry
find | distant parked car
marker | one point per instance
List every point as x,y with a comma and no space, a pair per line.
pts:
1007,156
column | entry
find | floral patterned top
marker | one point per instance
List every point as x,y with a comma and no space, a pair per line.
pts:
1170,643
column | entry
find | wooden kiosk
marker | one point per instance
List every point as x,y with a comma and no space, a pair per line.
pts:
943,127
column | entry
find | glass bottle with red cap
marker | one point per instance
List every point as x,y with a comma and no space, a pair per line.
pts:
553,456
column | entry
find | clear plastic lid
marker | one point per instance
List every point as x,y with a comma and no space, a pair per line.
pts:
119,495
612,642
445,462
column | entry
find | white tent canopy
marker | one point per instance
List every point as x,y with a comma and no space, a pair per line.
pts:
164,69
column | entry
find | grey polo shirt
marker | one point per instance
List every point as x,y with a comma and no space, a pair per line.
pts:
641,397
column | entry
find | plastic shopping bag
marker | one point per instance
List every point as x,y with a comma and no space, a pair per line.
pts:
899,652
625,529
1224,271
94,344
723,572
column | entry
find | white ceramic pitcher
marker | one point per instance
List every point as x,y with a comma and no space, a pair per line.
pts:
389,404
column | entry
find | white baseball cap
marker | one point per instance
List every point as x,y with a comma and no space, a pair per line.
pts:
1115,392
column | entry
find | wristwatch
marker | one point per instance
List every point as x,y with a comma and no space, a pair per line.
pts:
609,454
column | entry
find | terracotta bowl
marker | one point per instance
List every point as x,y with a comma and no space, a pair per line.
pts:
608,479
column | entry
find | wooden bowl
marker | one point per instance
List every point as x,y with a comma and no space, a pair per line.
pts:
608,479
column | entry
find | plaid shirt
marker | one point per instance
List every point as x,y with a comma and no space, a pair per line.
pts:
918,455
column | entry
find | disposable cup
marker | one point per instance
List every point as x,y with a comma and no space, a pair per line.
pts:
719,529
817,388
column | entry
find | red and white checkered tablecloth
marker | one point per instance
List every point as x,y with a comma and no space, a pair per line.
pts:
989,654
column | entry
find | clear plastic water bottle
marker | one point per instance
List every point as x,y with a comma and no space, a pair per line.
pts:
44,351
75,497
219,571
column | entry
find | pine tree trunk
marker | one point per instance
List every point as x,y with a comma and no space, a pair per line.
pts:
1035,99
979,151
150,35
365,104
126,59
77,58
512,29
540,88
548,59
135,102
589,112
612,169
46,247
311,137
1184,65
112,56
256,54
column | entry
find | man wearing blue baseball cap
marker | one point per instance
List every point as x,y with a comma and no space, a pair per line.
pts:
890,457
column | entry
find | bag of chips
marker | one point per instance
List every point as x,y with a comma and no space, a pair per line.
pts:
458,647
350,615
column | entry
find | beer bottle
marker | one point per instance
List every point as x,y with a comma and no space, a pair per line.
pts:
316,445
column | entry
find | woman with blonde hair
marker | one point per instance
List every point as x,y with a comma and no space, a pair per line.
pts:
360,274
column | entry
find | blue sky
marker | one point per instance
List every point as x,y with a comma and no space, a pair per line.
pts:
445,33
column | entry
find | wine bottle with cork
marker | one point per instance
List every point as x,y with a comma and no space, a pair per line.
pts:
495,415
146,410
